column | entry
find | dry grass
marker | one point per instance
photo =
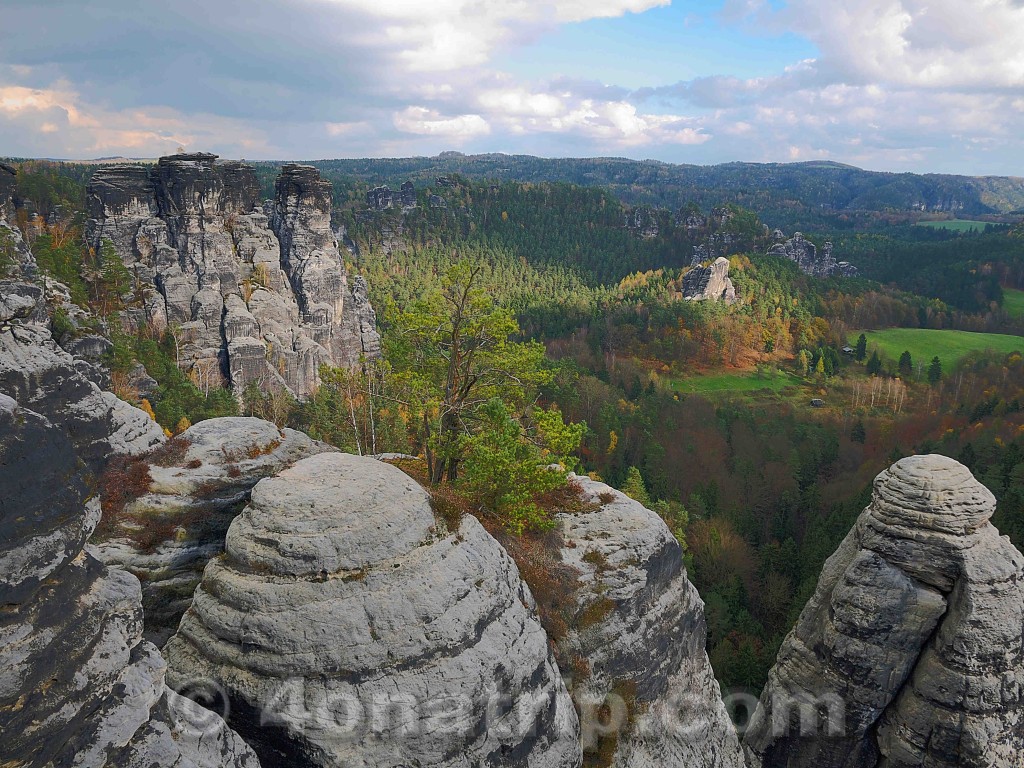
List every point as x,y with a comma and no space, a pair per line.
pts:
124,479
171,453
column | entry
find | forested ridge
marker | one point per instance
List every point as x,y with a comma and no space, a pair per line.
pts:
700,409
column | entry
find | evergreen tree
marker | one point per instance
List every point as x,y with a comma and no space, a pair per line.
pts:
935,371
858,434
906,365
861,350
635,488
874,366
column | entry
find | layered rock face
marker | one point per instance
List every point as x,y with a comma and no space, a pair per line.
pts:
78,686
649,647
811,261
710,282
196,485
349,630
911,651
257,293
15,258
66,390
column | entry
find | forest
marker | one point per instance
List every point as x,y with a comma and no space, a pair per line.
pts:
577,291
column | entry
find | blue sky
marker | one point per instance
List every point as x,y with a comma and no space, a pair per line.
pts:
920,85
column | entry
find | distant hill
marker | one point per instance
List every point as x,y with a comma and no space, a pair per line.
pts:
784,194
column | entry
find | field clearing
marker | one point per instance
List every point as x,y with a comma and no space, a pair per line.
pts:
925,343
955,225
1013,302
747,381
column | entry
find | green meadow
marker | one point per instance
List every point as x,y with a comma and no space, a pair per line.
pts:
955,225
925,343
752,381
1013,302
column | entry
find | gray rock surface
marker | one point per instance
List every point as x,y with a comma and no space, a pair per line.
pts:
257,292
911,651
78,686
650,646
47,379
15,258
362,634
710,282
811,260
197,484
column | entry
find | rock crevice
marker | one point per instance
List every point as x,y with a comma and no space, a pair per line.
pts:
256,293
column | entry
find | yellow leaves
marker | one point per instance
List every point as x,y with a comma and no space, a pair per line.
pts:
182,425
613,441
148,409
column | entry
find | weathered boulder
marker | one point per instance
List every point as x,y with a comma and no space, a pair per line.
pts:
911,651
42,376
257,292
710,282
350,629
78,686
811,261
647,640
192,489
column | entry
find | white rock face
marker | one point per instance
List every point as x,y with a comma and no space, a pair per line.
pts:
652,643
78,686
913,643
710,282
198,483
257,292
362,635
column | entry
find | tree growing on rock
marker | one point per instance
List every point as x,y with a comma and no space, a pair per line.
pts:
454,352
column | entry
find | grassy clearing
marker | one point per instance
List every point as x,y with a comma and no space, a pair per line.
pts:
955,225
924,343
1013,302
747,381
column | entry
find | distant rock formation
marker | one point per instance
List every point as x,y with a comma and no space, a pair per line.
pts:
194,487
408,196
79,686
710,282
651,644
257,293
911,651
362,633
380,198
644,222
806,255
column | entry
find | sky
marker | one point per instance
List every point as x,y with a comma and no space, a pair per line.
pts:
895,85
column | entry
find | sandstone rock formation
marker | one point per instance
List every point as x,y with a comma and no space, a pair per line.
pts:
78,687
15,258
360,633
649,646
710,282
42,376
911,651
194,488
257,293
806,255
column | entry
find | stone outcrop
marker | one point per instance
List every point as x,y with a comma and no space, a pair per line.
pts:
360,632
408,196
644,222
67,390
78,686
15,258
649,645
195,486
911,651
710,282
256,292
811,260
380,198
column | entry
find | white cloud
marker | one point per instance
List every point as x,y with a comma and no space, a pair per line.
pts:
428,122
